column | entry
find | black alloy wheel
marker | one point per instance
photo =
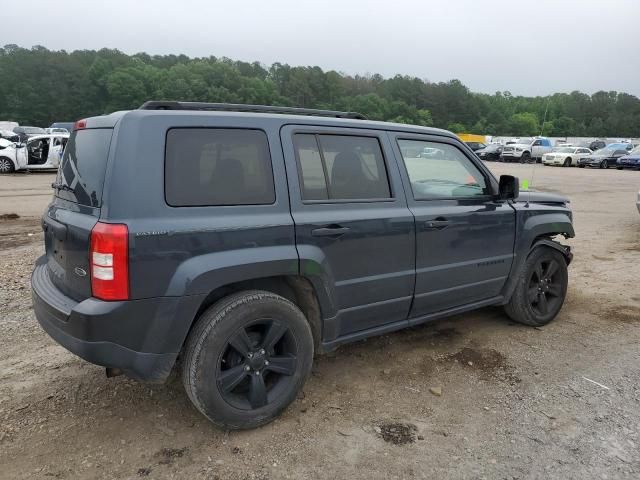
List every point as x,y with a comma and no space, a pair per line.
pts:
257,364
545,292
247,358
540,289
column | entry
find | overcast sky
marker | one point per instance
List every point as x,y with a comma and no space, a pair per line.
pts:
532,47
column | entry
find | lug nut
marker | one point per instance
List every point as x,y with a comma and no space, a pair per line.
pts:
262,351
247,368
258,372
266,362
249,355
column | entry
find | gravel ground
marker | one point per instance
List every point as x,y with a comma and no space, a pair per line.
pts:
474,396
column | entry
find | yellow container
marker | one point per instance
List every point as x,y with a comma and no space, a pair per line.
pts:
470,137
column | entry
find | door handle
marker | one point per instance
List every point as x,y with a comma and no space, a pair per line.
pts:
330,231
439,223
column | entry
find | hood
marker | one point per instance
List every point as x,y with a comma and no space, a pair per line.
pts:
631,157
542,197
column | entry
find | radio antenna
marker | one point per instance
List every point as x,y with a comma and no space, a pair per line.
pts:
533,169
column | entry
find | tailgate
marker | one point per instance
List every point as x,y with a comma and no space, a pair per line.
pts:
75,210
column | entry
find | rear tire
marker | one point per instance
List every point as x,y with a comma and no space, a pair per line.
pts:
6,165
603,164
540,289
247,358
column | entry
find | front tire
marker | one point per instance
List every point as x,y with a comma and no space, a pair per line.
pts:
567,162
525,158
247,358
6,165
541,288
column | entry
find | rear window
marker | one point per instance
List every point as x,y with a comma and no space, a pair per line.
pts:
214,166
83,166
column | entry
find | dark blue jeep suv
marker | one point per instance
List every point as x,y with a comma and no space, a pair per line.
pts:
234,242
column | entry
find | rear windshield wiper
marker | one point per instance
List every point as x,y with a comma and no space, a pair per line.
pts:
61,186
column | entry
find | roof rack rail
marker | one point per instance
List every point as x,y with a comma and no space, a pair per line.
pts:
239,107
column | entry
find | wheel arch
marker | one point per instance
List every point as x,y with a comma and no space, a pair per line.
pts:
539,231
297,289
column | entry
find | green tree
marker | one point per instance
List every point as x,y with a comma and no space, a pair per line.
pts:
524,124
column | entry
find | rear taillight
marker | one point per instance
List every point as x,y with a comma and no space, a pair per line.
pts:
80,124
109,260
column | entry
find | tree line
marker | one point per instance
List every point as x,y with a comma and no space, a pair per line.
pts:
39,86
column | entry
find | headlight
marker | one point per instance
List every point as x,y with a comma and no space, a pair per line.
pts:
518,149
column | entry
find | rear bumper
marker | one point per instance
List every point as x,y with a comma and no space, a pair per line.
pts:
140,337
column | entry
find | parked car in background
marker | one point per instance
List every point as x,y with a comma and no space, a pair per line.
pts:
56,130
490,152
475,145
255,270
5,125
25,132
526,152
41,152
565,156
9,135
68,126
628,146
631,160
597,145
429,152
604,158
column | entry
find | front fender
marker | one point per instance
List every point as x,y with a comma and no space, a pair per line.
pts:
535,228
543,224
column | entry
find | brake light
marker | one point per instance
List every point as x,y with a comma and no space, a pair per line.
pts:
80,124
109,261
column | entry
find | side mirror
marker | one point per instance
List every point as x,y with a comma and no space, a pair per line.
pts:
509,187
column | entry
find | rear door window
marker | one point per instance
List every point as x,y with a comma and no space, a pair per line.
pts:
81,173
215,166
341,167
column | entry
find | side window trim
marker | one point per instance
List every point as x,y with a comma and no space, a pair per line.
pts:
316,133
409,190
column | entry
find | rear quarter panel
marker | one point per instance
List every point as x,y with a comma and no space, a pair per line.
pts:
176,251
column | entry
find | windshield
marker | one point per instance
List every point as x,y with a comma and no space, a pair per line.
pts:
607,151
492,148
564,149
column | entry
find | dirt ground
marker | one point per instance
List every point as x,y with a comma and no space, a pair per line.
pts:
470,397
